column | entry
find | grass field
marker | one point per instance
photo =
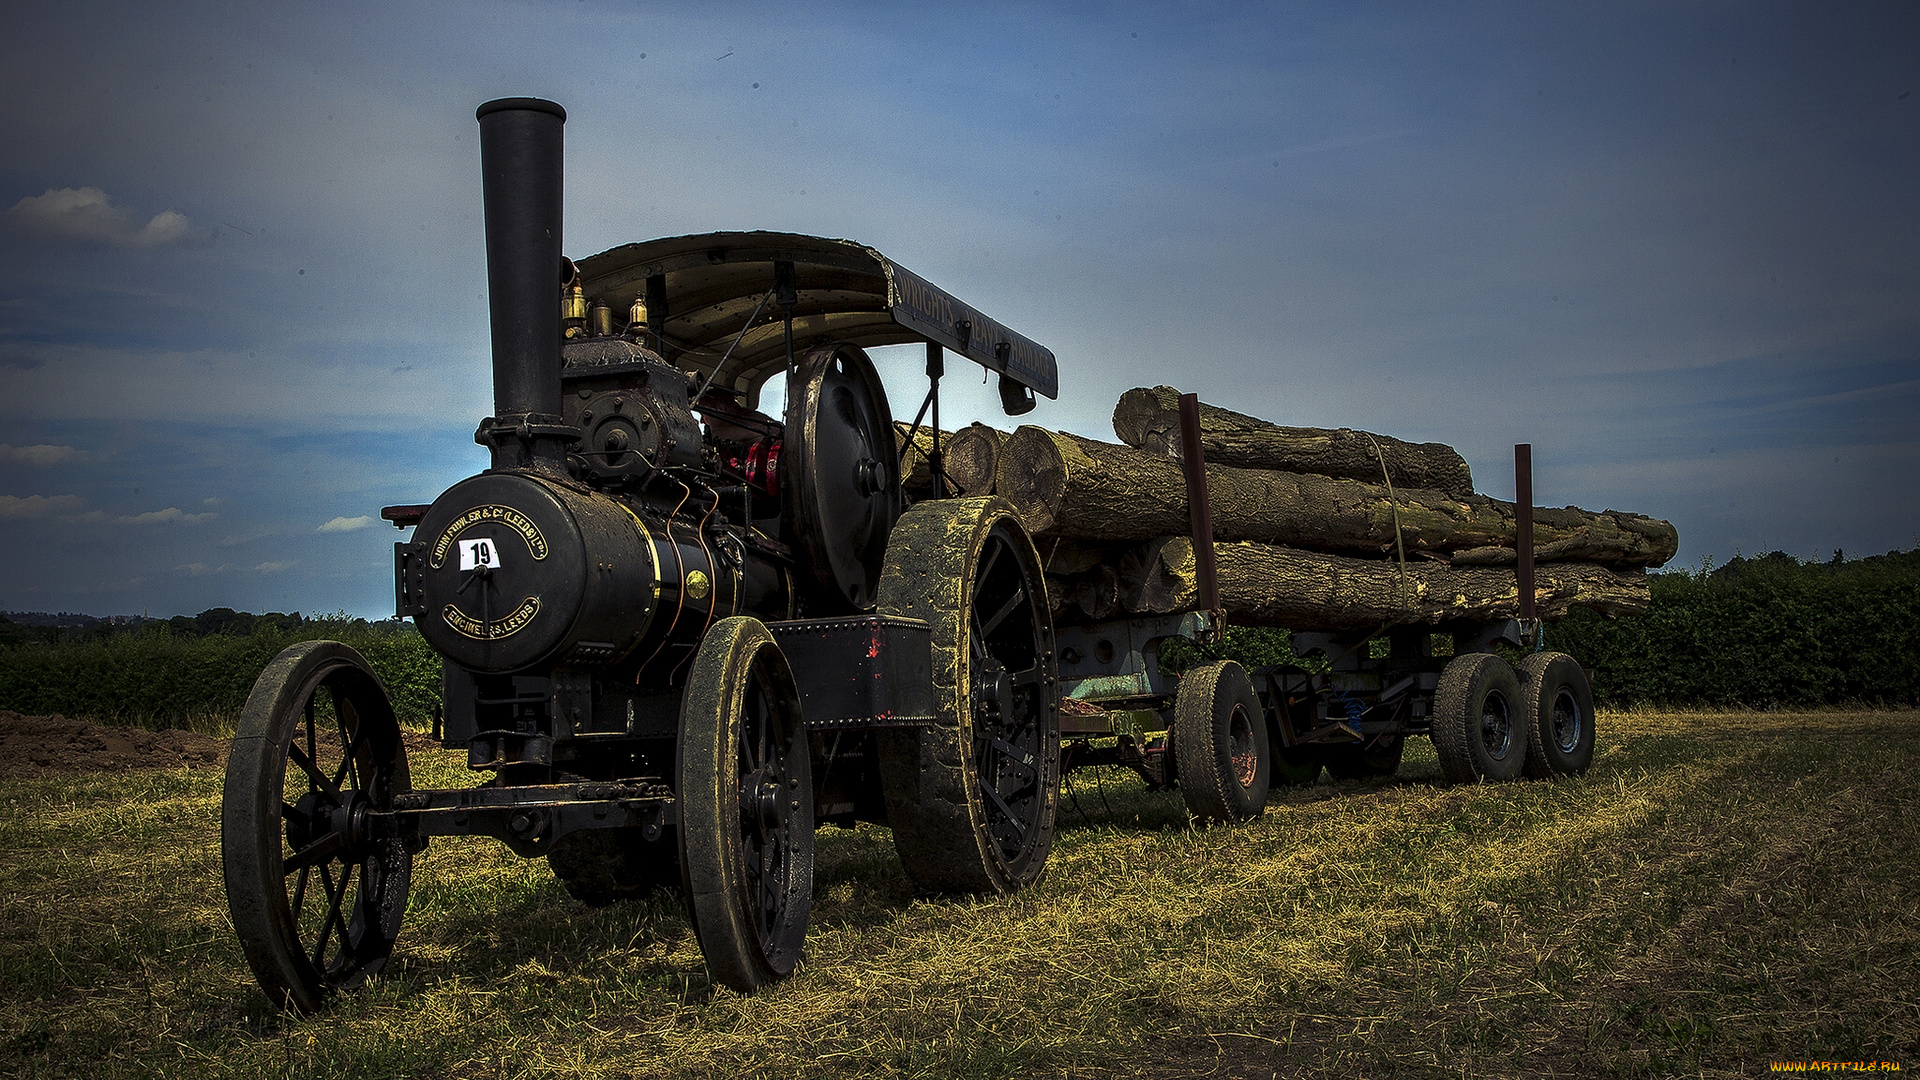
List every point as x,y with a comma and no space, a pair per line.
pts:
1724,889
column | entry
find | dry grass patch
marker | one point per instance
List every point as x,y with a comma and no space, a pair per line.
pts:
1722,889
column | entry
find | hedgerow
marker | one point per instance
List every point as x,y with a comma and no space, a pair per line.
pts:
1759,632
181,674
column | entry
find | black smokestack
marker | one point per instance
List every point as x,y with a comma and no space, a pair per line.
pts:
521,143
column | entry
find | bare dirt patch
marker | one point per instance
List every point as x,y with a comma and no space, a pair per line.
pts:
45,745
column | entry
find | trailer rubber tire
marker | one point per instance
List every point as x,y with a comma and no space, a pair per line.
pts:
1558,700
1479,722
1220,743
1371,760
599,867
972,797
745,786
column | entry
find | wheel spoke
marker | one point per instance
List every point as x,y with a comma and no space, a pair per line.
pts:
766,886
1005,810
758,717
1016,757
1006,609
300,893
349,741
334,896
986,566
976,646
318,779
318,851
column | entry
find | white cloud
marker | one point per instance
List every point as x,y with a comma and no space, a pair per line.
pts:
172,515
28,507
200,569
41,454
212,500
85,215
272,567
346,524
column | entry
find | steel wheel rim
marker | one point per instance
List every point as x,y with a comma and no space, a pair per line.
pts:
1004,637
1496,725
767,818
343,892
1568,723
1246,762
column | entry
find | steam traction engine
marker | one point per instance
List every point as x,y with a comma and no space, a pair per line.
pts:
677,632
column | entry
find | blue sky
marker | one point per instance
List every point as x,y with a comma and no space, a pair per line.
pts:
1672,245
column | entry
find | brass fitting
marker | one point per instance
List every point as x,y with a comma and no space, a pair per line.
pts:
573,309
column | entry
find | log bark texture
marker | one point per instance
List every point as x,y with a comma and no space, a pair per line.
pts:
1148,418
1064,485
1304,590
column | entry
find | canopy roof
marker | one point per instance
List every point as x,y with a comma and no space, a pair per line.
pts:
848,292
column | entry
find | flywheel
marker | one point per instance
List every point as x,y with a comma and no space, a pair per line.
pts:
840,478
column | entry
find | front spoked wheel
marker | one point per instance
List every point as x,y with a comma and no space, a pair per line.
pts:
746,807
316,898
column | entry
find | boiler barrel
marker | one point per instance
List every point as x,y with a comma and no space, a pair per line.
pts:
514,571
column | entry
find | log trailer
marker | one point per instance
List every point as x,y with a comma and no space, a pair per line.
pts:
1225,735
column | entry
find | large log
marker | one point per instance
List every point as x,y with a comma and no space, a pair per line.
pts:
1065,485
915,478
1148,418
1304,590
1059,555
967,456
971,458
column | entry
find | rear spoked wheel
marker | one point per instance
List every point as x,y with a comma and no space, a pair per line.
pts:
316,897
746,807
972,798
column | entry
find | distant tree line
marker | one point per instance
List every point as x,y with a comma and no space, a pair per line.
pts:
19,628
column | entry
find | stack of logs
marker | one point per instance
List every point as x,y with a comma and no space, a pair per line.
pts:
1314,529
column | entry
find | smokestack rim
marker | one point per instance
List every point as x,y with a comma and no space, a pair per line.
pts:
527,103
